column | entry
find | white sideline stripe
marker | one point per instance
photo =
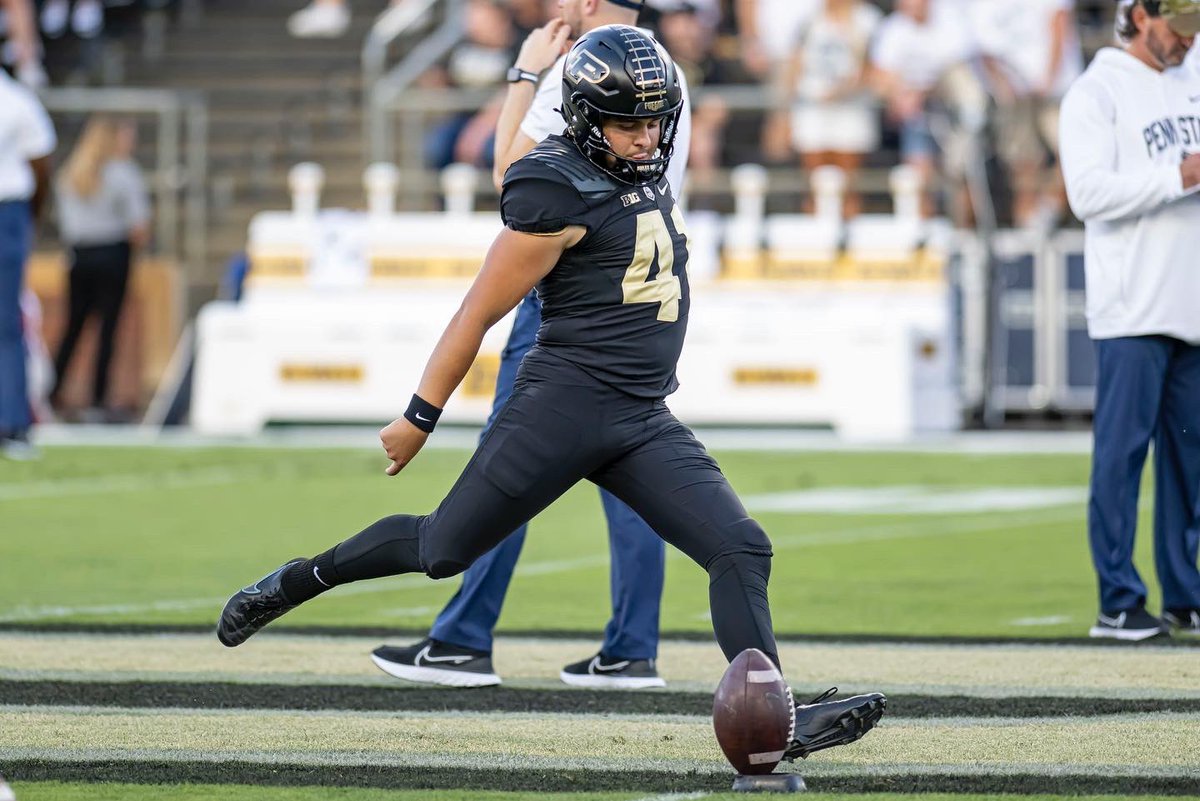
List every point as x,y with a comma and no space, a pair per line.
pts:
845,536
466,437
133,482
915,500
1049,620
674,797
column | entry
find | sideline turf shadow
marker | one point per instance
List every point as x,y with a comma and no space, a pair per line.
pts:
571,780
355,698
396,635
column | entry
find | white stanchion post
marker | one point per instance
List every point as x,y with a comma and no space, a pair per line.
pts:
749,192
305,181
905,183
829,189
458,187
380,180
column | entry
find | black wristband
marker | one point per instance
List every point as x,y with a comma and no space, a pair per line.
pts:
422,414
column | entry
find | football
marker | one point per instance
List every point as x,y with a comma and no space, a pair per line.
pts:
753,714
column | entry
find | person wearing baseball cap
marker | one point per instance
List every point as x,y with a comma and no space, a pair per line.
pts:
1130,145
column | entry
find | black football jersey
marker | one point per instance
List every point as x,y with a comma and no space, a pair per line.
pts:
616,305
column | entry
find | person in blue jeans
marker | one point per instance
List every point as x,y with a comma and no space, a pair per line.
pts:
459,647
26,141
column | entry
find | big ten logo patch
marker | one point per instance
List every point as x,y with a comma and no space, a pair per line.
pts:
480,381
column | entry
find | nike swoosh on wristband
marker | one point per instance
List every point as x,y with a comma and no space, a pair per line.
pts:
598,667
317,576
423,419
423,654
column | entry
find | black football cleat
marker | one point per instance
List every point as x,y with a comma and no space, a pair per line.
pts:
823,724
253,607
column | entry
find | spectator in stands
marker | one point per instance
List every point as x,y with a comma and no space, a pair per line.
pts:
1033,54
104,217
834,120
86,18
322,19
480,61
23,51
921,62
767,30
26,142
687,29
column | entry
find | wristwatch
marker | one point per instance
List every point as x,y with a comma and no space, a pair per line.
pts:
516,75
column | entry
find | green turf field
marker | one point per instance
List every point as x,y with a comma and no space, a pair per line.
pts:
163,536
57,791
115,561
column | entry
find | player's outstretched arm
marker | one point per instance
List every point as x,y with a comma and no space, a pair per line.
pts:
514,265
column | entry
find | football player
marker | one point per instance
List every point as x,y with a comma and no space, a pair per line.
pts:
458,650
589,221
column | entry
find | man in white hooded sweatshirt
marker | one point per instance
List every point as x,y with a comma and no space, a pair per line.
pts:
1130,139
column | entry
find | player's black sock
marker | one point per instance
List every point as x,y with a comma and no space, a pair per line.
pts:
387,547
306,580
737,594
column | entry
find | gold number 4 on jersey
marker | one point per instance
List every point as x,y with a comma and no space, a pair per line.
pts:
653,237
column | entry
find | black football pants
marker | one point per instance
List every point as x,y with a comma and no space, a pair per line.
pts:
561,426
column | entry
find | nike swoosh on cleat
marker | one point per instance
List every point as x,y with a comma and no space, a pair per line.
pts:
423,654
598,667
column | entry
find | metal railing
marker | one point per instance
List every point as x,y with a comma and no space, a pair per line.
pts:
382,86
181,158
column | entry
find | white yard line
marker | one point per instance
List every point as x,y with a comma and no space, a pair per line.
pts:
845,536
458,437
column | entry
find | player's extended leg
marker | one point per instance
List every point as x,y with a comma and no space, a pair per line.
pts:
1177,488
1130,375
673,483
677,488
539,447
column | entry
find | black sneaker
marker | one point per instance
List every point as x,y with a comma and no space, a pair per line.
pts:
1131,625
823,724
253,607
1184,621
605,672
433,662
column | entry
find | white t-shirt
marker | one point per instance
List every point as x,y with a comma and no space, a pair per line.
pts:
831,53
1123,130
1018,33
543,119
921,54
26,133
779,23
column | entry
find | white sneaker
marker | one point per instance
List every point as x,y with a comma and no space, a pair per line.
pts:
87,20
319,20
54,18
6,793
19,450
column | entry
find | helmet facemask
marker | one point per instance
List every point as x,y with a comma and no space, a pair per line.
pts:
618,72
585,127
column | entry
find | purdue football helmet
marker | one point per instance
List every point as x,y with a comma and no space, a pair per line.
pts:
618,71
